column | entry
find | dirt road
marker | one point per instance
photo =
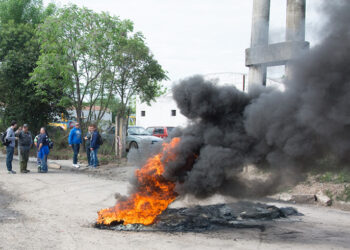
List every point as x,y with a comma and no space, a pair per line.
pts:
57,210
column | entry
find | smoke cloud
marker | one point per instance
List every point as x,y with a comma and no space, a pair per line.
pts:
286,132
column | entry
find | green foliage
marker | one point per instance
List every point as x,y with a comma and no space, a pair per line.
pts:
19,51
22,11
345,194
116,106
94,58
343,177
106,149
136,73
326,177
59,137
77,45
340,176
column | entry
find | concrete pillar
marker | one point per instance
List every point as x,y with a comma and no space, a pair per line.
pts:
296,20
295,28
257,75
259,37
260,23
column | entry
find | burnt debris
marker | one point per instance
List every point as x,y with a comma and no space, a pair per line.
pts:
208,218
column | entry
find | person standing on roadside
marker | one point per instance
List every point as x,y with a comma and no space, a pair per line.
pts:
87,139
37,149
94,146
74,140
25,142
10,148
44,150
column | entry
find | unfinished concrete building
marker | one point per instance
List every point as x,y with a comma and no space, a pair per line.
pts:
261,54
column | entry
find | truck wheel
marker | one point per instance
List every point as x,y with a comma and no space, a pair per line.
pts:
133,145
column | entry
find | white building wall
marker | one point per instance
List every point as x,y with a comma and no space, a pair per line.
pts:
159,113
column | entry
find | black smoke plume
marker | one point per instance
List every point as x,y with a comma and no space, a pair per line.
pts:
284,131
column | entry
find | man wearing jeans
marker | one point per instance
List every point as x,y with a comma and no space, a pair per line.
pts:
94,146
74,141
10,148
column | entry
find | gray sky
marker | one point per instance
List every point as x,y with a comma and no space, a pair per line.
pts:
199,36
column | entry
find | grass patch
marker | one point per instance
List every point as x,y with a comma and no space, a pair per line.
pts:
343,177
326,177
106,149
329,194
338,177
345,194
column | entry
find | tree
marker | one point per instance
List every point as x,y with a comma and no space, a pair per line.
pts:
134,72
96,58
76,49
24,11
19,51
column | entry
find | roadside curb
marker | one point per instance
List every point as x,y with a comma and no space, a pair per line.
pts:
312,199
34,160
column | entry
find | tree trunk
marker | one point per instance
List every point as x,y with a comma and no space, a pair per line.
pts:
120,137
78,110
116,139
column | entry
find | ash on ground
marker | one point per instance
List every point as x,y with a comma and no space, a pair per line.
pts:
213,217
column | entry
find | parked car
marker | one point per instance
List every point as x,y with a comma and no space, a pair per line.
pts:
137,137
161,132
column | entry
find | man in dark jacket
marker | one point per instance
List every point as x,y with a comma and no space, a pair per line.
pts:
94,146
25,142
87,145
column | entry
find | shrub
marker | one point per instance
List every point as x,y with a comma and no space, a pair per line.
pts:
345,195
326,177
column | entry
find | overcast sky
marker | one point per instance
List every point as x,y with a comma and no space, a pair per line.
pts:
191,37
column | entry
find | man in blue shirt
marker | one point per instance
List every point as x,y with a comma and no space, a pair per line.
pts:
74,140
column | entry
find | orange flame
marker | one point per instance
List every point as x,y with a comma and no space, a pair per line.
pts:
154,194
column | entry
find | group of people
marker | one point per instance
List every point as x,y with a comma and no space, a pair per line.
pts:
92,144
25,142
43,144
